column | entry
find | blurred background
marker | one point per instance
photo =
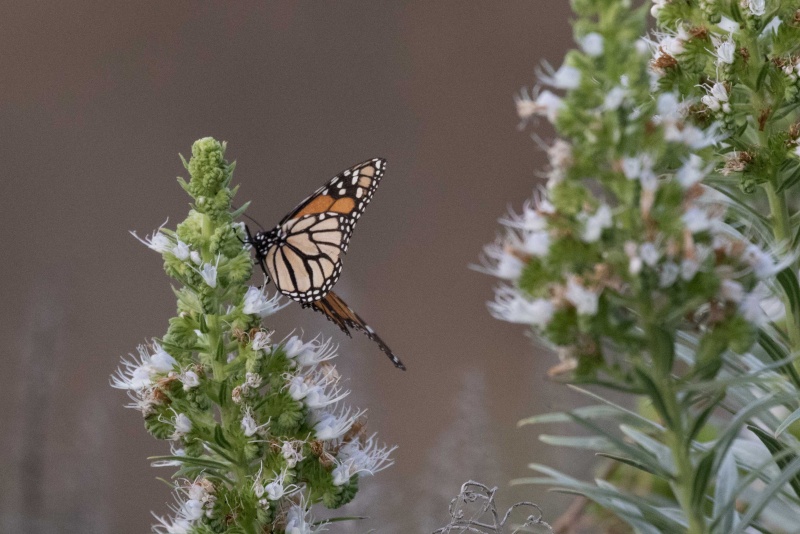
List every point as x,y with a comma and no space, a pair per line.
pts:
96,102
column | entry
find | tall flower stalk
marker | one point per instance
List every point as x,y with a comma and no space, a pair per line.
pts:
660,259
257,428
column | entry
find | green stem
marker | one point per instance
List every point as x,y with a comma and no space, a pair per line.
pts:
781,230
661,345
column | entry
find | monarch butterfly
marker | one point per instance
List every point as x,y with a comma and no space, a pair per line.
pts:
302,254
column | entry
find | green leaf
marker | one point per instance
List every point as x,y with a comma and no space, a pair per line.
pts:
776,352
724,492
628,461
592,443
655,396
588,412
789,178
659,452
702,477
791,418
788,281
788,473
701,419
775,446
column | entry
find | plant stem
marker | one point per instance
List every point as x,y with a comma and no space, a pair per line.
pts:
661,347
781,229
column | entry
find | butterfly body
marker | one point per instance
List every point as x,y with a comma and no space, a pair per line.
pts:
302,255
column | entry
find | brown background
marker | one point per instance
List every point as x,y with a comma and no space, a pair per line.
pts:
97,99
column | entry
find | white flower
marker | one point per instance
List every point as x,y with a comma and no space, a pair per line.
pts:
209,274
183,425
546,104
658,5
731,291
566,77
592,44
593,225
362,459
253,380
278,488
250,426
195,257
727,25
160,361
510,305
614,98
534,243
762,263
530,220
757,7
190,380
157,241
322,395
696,220
298,523
292,452
717,98
261,340
310,353
584,300
257,303
649,254
639,167
192,509
181,250
498,260
329,426
691,172
669,274
725,50
137,374
559,154
751,310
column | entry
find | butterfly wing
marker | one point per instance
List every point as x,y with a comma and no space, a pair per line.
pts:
335,309
347,193
303,253
306,262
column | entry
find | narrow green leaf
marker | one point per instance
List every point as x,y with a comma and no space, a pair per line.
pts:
788,281
240,210
789,178
702,476
631,413
638,453
791,418
659,452
219,437
191,460
589,412
775,447
724,492
633,463
702,417
766,494
775,351
753,473
655,397
592,443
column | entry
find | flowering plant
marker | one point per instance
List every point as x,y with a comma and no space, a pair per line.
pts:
257,428
660,260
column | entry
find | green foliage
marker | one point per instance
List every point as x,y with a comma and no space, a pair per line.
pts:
257,434
664,233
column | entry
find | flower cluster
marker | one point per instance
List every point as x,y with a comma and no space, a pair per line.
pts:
258,429
644,260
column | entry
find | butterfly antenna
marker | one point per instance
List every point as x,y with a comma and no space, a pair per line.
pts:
255,221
